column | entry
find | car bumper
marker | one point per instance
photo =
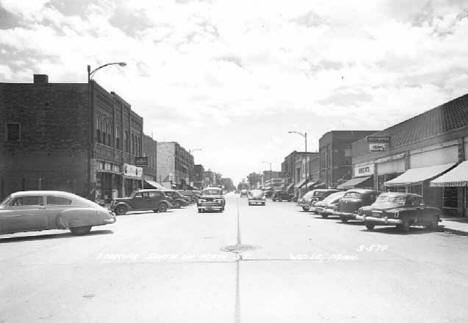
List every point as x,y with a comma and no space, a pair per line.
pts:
374,219
256,201
346,215
210,207
111,220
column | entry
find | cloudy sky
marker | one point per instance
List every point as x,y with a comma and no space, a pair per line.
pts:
232,77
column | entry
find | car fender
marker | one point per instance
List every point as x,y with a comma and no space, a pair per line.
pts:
78,217
168,204
128,206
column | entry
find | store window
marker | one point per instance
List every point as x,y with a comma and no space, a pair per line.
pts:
450,197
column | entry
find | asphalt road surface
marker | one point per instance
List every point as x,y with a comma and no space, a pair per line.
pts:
272,263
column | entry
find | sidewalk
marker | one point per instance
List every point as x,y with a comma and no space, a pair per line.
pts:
457,225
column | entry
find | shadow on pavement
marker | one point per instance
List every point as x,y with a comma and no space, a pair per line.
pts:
53,236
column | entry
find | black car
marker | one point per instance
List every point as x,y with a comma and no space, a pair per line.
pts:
400,209
177,199
142,200
281,196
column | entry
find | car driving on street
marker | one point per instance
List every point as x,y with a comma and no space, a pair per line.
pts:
211,199
46,210
142,200
256,197
400,209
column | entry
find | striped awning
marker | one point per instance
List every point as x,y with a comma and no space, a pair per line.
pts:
456,177
418,175
153,184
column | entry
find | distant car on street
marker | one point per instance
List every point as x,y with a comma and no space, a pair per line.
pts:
310,198
211,199
142,200
46,210
243,192
328,205
281,196
400,209
256,197
353,199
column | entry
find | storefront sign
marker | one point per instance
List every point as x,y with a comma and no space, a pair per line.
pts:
133,171
378,143
141,161
364,170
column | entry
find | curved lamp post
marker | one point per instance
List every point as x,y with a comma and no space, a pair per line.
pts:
91,72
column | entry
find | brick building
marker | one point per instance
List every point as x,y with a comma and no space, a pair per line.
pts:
254,180
294,169
150,150
427,154
198,171
174,165
75,137
335,155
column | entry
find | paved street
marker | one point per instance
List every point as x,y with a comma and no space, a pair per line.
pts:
293,266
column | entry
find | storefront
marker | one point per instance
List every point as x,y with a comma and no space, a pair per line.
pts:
133,178
363,177
388,168
455,187
108,181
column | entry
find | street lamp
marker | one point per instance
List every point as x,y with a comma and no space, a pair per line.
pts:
304,135
90,73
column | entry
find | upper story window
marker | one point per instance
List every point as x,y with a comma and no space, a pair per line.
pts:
13,132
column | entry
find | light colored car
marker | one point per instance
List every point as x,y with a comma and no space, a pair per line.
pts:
256,197
328,205
46,210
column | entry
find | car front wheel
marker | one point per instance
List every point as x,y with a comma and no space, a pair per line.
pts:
177,204
370,226
305,208
120,210
80,230
343,219
324,216
404,226
162,207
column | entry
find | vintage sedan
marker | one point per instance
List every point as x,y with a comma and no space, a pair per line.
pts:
353,199
309,199
256,197
400,209
142,200
328,205
46,210
281,196
177,200
211,199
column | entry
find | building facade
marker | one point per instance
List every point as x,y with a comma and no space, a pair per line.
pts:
198,171
335,155
74,137
419,154
150,150
174,165
255,180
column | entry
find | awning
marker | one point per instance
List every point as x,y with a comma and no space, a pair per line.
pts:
418,175
300,184
315,184
153,184
353,182
454,178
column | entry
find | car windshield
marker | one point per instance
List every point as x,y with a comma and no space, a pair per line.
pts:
391,200
333,197
211,191
256,193
5,202
352,195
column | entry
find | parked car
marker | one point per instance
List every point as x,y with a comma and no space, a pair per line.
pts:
189,195
281,196
328,205
400,209
177,200
142,200
211,199
256,197
46,210
310,198
353,199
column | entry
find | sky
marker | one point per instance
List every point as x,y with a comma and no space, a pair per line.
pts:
233,77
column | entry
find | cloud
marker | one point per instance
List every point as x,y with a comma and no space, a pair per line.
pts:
226,75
